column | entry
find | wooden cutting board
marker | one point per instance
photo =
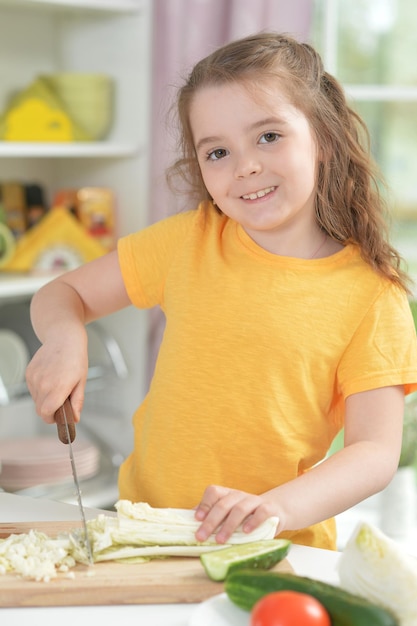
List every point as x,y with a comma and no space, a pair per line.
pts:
160,581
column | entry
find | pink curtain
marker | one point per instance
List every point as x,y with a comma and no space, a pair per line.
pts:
185,31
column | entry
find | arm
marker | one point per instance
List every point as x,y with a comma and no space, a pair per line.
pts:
59,312
369,459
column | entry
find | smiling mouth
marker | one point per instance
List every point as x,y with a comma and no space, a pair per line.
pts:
258,194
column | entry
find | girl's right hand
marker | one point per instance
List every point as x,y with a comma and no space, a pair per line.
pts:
60,310
58,370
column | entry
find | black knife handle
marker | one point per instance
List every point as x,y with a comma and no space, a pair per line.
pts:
60,422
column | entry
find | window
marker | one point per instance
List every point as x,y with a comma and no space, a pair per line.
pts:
370,46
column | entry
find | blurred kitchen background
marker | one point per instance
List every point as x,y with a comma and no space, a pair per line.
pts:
85,93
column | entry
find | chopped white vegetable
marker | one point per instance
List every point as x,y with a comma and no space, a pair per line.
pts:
35,555
377,568
138,533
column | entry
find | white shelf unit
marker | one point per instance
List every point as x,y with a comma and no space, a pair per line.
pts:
17,287
115,6
97,36
99,149
93,36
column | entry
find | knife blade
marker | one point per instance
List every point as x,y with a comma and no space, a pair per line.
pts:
64,419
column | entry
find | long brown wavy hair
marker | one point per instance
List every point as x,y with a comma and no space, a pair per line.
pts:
349,205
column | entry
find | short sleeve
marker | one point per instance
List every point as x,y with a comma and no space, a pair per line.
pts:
383,349
146,256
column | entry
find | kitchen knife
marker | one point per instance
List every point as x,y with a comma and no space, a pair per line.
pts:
64,419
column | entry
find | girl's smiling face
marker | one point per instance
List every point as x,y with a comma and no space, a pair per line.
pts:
258,160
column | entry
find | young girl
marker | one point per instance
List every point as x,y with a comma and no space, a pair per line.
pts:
286,308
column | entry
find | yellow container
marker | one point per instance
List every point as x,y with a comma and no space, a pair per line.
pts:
87,98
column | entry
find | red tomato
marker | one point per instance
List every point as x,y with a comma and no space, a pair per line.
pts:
289,608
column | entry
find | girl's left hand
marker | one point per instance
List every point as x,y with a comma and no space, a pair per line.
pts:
223,510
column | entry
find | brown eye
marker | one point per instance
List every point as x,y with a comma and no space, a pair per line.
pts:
269,137
217,154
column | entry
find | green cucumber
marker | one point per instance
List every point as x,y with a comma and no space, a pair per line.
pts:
262,554
245,587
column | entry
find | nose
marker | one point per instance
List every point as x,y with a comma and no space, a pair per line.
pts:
247,165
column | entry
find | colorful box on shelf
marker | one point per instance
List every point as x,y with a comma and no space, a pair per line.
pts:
94,207
57,243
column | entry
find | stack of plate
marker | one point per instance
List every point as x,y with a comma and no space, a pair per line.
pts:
44,460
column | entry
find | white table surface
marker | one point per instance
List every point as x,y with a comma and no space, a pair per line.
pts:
319,564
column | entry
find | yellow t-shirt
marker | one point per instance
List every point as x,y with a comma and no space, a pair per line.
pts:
258,354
